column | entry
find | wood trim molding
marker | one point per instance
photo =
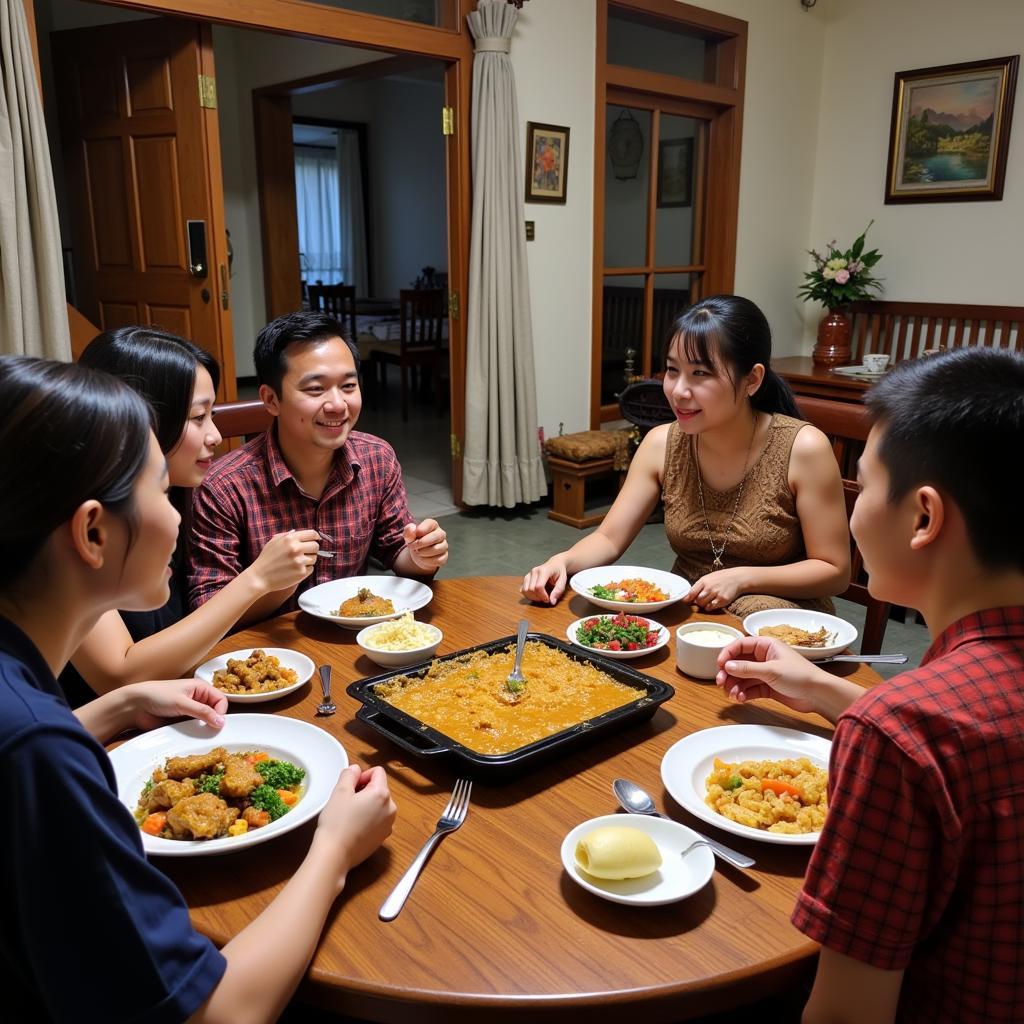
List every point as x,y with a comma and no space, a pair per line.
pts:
402,64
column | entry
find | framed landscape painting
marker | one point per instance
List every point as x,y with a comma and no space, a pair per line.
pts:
675,172
547,162
950,131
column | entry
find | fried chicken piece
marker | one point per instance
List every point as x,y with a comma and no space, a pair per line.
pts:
240,777
366,603
797,637
167,793
194,764
204,816
255,818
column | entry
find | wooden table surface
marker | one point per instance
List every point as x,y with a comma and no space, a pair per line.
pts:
494,928
805,378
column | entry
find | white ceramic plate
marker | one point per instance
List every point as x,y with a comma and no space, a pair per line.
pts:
288,659
285,739
687,764
327,598
843,633
677,878
675,586
859,371
663,636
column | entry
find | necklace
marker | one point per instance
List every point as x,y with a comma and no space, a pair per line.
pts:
718,550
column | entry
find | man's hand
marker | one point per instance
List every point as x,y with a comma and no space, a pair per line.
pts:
426,544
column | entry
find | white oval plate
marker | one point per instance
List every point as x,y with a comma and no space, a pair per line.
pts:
675,586
677,878
859,371
687,764
325,599
286,739
663,636
288,658
845,632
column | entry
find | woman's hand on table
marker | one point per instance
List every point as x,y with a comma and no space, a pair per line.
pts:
717,590
358,817
546,583
759,666
286,560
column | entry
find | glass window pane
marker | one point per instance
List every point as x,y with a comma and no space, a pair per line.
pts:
626,183
622,334
673,219
638,40
425,12
672,294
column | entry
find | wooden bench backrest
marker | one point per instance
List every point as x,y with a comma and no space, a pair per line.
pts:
905,330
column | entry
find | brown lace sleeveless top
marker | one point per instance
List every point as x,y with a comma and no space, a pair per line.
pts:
766,530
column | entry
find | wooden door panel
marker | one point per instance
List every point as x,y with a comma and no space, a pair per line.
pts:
176,319
158,187
118,314
149,86
109,225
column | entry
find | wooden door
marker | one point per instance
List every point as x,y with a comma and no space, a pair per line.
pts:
142,159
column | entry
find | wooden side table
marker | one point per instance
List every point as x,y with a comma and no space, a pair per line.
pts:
817,381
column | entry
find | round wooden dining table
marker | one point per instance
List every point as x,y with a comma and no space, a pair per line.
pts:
494,928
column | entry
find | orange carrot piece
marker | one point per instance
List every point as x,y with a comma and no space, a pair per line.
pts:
260,755
287,796
780,787
154,823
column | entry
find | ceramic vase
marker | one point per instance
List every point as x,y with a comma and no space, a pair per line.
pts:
833,347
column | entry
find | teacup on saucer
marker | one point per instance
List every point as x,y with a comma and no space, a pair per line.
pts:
876,362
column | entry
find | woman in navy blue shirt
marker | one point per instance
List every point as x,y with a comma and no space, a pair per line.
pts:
90,930
179,380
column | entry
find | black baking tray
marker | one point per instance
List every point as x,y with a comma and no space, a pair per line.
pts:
421,740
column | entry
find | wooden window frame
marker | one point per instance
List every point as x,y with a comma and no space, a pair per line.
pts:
720,103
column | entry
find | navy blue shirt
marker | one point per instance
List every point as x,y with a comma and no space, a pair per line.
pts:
89,929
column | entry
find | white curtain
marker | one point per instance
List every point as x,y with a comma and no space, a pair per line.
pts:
502,463
33,309
353,218
317,199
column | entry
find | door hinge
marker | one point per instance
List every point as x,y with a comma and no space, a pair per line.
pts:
447,120
456,447
453,305
208,92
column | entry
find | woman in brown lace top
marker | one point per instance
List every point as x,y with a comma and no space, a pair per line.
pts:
754,506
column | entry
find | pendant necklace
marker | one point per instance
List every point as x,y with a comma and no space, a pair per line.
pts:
718,550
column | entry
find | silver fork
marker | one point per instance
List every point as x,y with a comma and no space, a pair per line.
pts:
451,818
326,706
516,680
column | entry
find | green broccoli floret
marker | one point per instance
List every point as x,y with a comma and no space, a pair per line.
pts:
210,784
147,787
280,774
266,798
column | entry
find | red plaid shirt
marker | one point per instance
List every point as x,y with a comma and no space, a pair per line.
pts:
250,495
921,861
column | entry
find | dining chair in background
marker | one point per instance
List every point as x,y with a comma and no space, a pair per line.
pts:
340,301
420,345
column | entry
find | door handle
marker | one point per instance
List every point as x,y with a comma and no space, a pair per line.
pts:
196,234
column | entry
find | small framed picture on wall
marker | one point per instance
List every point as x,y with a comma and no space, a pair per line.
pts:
547,162
675,172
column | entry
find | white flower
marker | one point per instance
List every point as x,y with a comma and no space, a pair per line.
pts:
828,273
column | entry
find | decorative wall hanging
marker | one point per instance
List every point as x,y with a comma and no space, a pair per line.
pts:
547,162
675,172
625,145
950,131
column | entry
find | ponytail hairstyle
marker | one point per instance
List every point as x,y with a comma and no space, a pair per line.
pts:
732,331
68,435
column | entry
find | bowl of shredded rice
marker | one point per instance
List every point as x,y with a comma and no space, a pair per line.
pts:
399,642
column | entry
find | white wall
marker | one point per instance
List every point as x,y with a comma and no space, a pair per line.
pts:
932,252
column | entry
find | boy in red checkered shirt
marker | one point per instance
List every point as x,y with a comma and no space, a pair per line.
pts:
915,889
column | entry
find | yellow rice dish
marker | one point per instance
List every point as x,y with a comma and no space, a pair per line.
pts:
774,796
467,699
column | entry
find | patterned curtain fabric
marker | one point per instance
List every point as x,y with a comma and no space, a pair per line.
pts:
502,463
33,309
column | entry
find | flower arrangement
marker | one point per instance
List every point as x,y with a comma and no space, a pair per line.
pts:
841,277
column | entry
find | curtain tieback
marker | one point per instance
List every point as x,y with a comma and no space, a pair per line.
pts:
493,44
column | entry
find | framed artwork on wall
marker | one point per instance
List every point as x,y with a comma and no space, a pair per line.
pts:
950,131
675,172
547,162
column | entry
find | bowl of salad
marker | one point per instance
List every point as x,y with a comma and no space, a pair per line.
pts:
620,636
633,589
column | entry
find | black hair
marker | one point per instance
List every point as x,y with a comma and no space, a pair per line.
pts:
731,330
956,421
160,366
68,434
305,326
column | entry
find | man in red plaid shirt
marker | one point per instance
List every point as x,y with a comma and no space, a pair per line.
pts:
915,889
337,489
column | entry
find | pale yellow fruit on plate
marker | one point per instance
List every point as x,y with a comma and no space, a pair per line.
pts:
617,852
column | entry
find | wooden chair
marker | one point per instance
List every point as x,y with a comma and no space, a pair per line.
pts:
238,421
420,344
847,426
340,301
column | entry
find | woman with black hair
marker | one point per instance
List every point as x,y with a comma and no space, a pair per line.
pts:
90,930
179,380
754,505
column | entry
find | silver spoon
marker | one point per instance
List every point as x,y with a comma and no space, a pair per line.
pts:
637,801
867,659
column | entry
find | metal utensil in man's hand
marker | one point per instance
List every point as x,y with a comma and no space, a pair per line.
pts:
326,706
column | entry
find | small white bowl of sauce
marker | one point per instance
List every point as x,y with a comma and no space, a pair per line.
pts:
698,645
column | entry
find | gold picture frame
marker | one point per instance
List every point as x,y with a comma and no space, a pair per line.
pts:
547,162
